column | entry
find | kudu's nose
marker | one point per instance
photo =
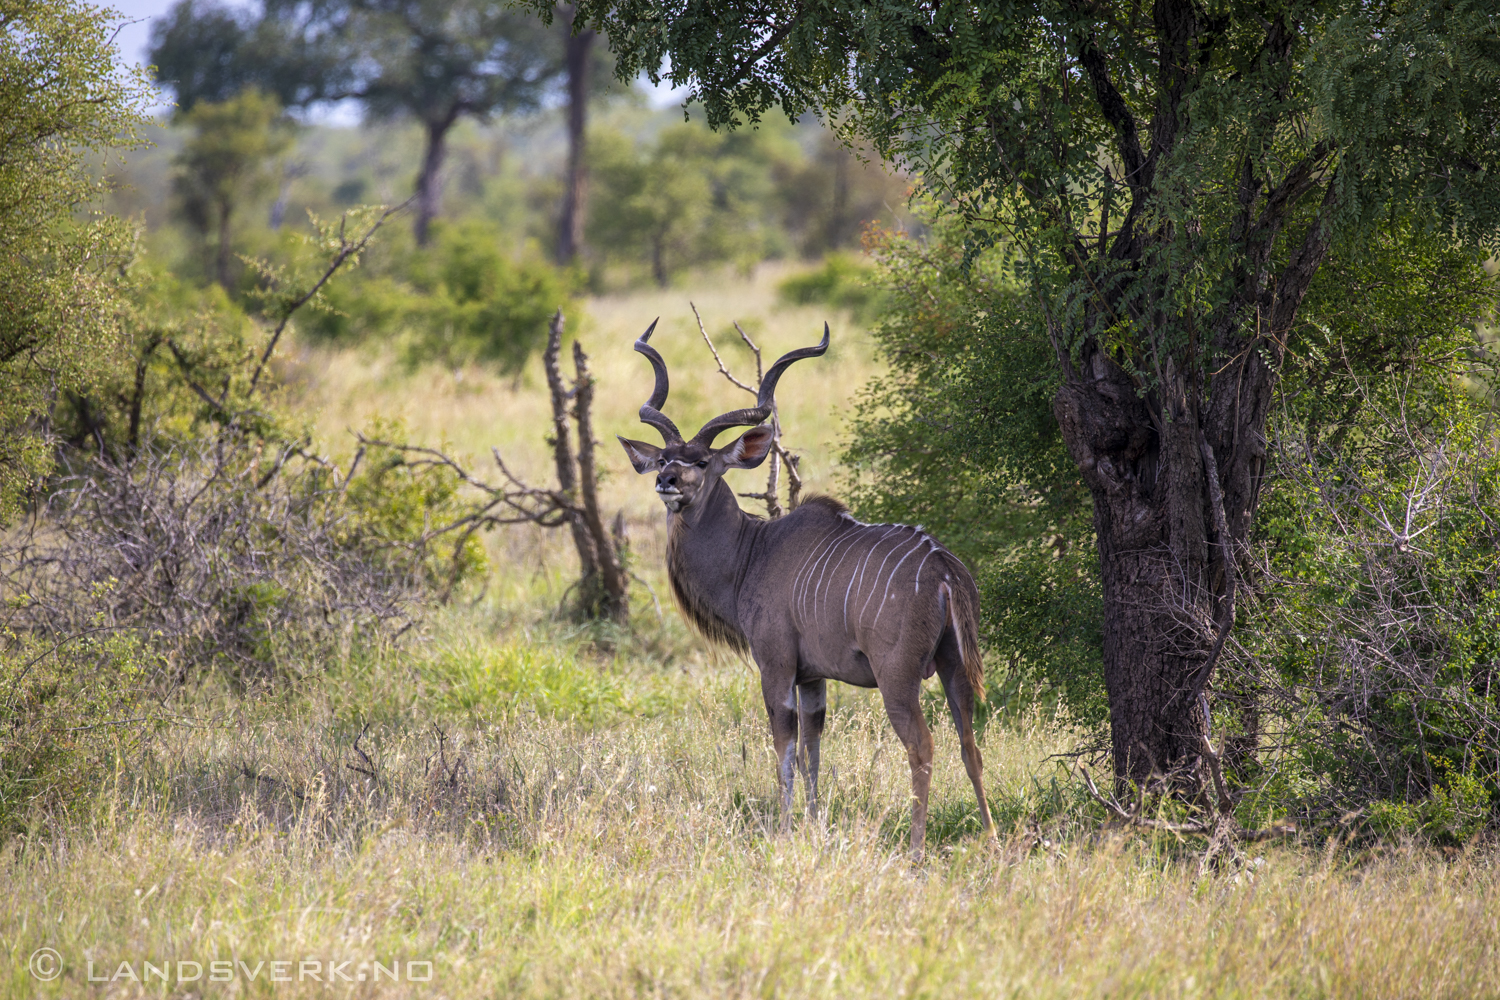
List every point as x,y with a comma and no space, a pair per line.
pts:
666,480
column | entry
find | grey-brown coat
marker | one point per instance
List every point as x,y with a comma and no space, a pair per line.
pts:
815,596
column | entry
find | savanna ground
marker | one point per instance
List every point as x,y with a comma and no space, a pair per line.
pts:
537,808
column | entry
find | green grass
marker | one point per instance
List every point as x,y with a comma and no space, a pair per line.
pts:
525,851
540,809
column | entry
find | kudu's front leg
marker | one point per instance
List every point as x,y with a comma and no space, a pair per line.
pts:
812,708
781,706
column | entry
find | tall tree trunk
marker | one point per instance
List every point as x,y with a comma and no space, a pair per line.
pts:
430,181
1175,471
575,193
1146,476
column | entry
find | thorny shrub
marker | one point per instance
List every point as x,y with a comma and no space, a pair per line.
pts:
228,555
1372,647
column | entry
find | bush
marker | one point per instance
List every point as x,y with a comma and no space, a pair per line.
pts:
843,282
67,707
64,100
959,436
1371,644
459,301
175,335
229,555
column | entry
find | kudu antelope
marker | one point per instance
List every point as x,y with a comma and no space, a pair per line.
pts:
814,595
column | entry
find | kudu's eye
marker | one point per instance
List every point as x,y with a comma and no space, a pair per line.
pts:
703,464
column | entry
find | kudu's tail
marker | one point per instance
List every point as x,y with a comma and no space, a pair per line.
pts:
963,619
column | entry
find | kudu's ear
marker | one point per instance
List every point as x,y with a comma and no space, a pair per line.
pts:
749,449
642,455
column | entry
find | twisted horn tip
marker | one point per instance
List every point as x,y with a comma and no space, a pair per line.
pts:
646,337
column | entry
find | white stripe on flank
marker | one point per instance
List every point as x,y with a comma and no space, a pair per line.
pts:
832,540
873,549
826,543
820,593
800,579
892,578
875,584
917,588
796,577
862,564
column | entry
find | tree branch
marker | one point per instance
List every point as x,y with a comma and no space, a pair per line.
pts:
346,250
1112,105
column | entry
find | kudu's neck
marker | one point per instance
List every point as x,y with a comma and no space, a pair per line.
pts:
709,546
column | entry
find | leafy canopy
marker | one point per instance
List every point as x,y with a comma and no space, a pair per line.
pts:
1185,138
63,98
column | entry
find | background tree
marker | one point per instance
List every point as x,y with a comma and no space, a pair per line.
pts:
433,60
1168,182
690,198
224,163
62,98
207,51
578,58
438,60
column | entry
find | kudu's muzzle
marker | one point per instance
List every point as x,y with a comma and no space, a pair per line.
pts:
667,489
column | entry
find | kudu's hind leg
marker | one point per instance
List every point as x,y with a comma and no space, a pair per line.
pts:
812,709
950,671
904,708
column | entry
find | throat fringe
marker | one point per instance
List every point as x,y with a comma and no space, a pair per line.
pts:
704,620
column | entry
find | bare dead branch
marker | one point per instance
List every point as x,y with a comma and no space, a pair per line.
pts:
753,390
779,455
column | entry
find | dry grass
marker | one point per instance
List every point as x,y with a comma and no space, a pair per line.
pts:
535,816
531,857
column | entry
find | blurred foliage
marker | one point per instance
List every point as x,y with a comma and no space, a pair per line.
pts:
458,301
225,163
434,61
62,100
208,51
693,198
843,281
